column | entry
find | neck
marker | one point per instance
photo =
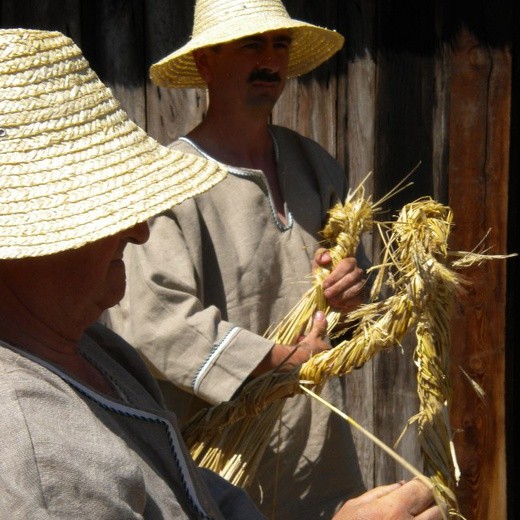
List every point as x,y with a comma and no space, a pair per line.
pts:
23,328
38,340
241,139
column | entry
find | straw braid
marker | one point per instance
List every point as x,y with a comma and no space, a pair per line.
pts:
236,451
230,440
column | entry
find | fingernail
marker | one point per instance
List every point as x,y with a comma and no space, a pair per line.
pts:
319,315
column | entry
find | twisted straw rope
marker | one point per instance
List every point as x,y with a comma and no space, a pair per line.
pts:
420,259
231,437
415,268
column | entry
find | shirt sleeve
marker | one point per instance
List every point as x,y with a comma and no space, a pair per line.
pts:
164,316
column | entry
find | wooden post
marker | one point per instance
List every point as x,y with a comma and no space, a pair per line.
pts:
478,180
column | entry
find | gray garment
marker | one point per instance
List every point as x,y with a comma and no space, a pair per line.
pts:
217,271
69,452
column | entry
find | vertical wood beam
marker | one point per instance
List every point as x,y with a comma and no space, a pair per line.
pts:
478,180
170,112
356,116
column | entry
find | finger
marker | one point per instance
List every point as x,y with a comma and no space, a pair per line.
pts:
432,513
345,289
375,493
348,299
319,325
345,271
417,495
322,258
314,341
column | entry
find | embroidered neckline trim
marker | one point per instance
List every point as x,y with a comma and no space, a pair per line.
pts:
256,174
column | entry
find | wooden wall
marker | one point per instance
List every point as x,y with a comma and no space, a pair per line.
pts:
417,82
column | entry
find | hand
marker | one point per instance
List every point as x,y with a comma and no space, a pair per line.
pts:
286,357
394,502
344,287
313,342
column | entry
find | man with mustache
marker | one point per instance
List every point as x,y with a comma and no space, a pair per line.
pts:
244,251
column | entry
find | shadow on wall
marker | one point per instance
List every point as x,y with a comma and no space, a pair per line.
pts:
122,38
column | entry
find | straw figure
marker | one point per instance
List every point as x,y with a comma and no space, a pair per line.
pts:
416,271
417,256
236,452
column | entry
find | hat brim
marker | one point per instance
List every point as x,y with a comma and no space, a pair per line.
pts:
311,45
127,186
73,167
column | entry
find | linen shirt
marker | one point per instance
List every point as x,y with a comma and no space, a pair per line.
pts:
69,452
216,273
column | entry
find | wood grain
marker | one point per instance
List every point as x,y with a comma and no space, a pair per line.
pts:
478,174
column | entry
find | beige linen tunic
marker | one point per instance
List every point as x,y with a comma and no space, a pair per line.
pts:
71,453
217,271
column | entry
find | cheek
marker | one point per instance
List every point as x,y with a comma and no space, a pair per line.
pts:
115,282
105,286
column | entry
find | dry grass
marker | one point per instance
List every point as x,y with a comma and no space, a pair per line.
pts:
416,272
231,438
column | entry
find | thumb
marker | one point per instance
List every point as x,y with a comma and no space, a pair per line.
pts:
319,324
321,258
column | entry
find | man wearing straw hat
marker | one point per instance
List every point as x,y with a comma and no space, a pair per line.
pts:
83,430
222,268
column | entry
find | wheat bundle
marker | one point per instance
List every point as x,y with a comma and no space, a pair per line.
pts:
230,438
341,234
417,251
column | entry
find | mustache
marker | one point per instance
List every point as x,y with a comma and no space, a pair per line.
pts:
264,75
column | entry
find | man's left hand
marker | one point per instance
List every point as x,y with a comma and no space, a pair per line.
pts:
344,287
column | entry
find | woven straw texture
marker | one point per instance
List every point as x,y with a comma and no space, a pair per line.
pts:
221,21
73,167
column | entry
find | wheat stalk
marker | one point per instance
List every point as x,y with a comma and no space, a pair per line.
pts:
230,438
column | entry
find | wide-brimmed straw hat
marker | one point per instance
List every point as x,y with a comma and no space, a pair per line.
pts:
221,21
73,167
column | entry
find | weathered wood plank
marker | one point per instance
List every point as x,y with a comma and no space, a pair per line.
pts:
479,148
404,126
308,103
44,14
440,111
113,43
170,112
356,115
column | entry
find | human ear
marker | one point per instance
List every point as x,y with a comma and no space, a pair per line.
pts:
200,57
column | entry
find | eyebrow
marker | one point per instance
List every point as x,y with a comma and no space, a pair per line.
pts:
284,38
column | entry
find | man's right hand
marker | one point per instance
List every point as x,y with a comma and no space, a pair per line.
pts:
394,502
286,357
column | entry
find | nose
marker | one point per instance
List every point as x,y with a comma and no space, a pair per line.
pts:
137,234
268,59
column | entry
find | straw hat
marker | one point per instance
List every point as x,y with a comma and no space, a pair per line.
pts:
73,167
221,21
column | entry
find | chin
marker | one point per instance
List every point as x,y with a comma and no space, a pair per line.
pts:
265,102
114,294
